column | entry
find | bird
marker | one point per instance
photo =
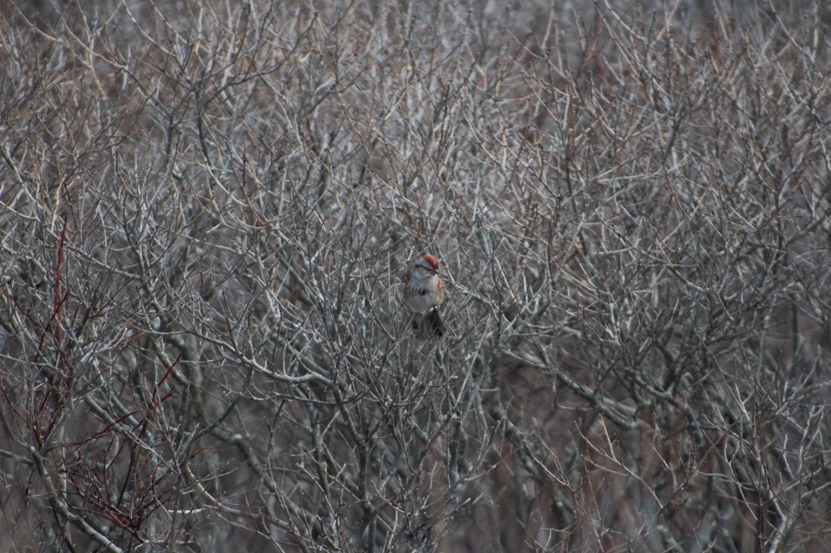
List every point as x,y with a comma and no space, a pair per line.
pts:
424,294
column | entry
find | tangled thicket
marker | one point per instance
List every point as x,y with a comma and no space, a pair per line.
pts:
206,209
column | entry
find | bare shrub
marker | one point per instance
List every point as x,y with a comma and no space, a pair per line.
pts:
206,210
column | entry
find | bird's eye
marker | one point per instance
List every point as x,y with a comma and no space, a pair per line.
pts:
422,292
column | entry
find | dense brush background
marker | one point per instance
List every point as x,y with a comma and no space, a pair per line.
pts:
206,209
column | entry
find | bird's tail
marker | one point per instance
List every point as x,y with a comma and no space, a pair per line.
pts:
429,325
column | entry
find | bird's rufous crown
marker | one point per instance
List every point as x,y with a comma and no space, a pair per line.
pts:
431,261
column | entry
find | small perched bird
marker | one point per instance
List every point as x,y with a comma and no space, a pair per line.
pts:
424,294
